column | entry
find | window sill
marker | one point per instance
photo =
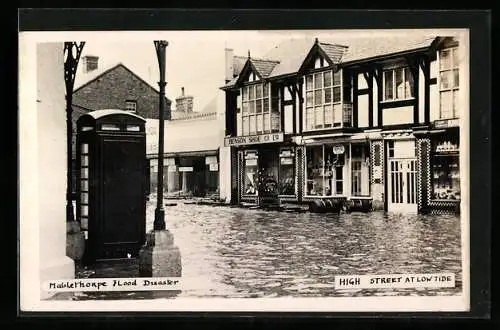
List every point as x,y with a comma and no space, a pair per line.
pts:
398,100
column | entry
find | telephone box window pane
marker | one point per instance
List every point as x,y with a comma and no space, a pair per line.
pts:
84,185
84,198
85,148
84,211
84,223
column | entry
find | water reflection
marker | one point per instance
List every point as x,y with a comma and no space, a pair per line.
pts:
232,252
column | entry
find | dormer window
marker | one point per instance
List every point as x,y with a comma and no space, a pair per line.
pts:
398,84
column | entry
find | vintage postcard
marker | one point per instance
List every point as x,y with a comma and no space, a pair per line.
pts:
251,170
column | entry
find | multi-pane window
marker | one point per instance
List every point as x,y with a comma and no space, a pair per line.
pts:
84,186
449,83
131,106
258,116
398,84
323,100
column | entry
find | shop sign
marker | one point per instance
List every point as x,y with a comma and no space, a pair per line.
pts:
254,139
186,169
251,161
170,161
338,149
214,167
446,147
287,161
286,153
445,123
210,160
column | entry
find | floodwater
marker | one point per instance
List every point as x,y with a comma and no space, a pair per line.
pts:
239,253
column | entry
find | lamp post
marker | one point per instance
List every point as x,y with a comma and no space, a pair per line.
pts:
72,52
159,257
159,222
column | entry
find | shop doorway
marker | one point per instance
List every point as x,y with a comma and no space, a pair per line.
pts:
402,177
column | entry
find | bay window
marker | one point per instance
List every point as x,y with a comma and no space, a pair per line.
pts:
448,83
398,84
323,100
259,109
324,171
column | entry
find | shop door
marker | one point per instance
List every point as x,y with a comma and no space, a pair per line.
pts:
402,181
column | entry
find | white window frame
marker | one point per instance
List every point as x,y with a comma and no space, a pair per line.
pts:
245,131
394,87
336,118
132,109
452,89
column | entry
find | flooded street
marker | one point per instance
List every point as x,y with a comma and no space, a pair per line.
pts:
233,252
248,253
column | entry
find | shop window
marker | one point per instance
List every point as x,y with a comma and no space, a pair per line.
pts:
360,182
398,84
445,170
448,83
250,173
324,171
287,172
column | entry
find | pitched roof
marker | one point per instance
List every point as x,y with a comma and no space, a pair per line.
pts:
368,48
83,79
291,53
264,67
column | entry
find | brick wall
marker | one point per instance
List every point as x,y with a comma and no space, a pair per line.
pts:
114,88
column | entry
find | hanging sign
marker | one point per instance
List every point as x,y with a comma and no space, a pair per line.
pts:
214,167
445,123
210,160
338,149
185,169
254,139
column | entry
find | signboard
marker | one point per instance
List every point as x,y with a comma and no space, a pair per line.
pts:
251,162
214,167
254,139
444,123
210,160
169,161
185,169
286,153
287,161
339,149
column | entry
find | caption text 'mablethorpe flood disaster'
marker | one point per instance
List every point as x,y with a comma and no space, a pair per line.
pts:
115,283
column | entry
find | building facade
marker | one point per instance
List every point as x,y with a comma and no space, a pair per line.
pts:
373,124
192,143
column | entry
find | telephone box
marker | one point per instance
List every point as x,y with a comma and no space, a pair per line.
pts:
111,189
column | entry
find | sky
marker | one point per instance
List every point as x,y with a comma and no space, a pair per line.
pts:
194,59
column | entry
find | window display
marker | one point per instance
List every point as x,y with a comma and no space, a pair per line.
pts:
250,173
287,172
325,171
445,170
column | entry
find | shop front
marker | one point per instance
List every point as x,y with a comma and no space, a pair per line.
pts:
338,171
444,187
265,159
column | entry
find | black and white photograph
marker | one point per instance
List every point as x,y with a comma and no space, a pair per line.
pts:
275,170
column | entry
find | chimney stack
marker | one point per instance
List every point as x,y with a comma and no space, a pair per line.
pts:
229,54
90,63
184,103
